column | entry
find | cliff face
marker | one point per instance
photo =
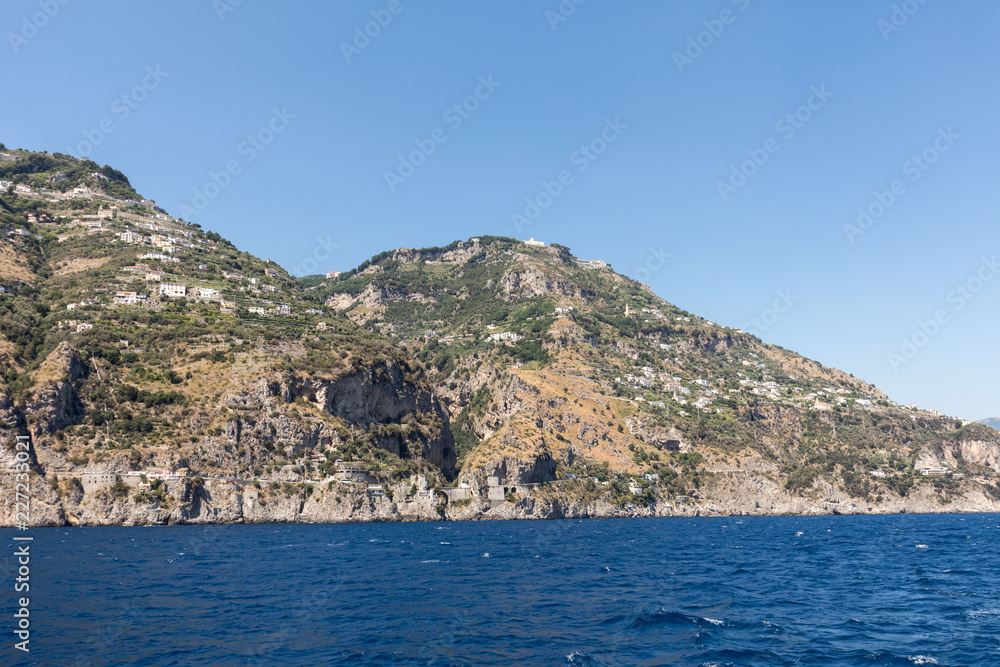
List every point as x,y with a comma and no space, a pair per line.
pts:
273,423
376,399
734,492
53,403
219,502
528,282
9,430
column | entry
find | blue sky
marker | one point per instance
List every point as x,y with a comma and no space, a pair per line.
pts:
829,102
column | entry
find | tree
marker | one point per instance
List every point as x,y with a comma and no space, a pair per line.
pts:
120,489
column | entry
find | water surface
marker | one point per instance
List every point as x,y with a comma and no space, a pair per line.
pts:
868,590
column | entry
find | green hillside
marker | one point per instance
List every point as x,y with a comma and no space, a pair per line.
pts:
131,340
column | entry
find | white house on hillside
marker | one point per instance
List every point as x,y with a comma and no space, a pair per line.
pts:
173,289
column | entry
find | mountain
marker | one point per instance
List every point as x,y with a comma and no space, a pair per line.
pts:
164,376
992,422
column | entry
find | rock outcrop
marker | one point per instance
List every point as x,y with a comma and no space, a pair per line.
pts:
52,403
376,399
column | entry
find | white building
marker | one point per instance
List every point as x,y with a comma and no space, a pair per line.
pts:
159,256
590,263
173,289
128,298
506,335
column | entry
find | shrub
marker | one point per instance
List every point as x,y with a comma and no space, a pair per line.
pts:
801,479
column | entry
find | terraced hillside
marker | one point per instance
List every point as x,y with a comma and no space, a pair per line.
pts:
164,375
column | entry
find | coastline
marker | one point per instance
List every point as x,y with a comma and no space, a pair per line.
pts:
215,503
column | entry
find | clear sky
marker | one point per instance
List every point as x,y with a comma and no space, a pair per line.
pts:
718,150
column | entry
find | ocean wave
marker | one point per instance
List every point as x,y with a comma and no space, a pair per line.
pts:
583,660
667,617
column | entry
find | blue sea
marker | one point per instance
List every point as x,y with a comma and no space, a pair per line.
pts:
865,590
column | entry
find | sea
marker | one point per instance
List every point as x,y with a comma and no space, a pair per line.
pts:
741,591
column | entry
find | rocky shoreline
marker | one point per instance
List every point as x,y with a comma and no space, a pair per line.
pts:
744,493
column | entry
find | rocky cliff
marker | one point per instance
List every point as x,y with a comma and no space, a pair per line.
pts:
512,377
731,492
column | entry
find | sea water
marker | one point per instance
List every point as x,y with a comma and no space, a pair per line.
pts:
863,590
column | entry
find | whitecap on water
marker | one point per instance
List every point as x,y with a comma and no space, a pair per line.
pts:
977,613
799,533
922,660
714,621
486,555
922,546
448,543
